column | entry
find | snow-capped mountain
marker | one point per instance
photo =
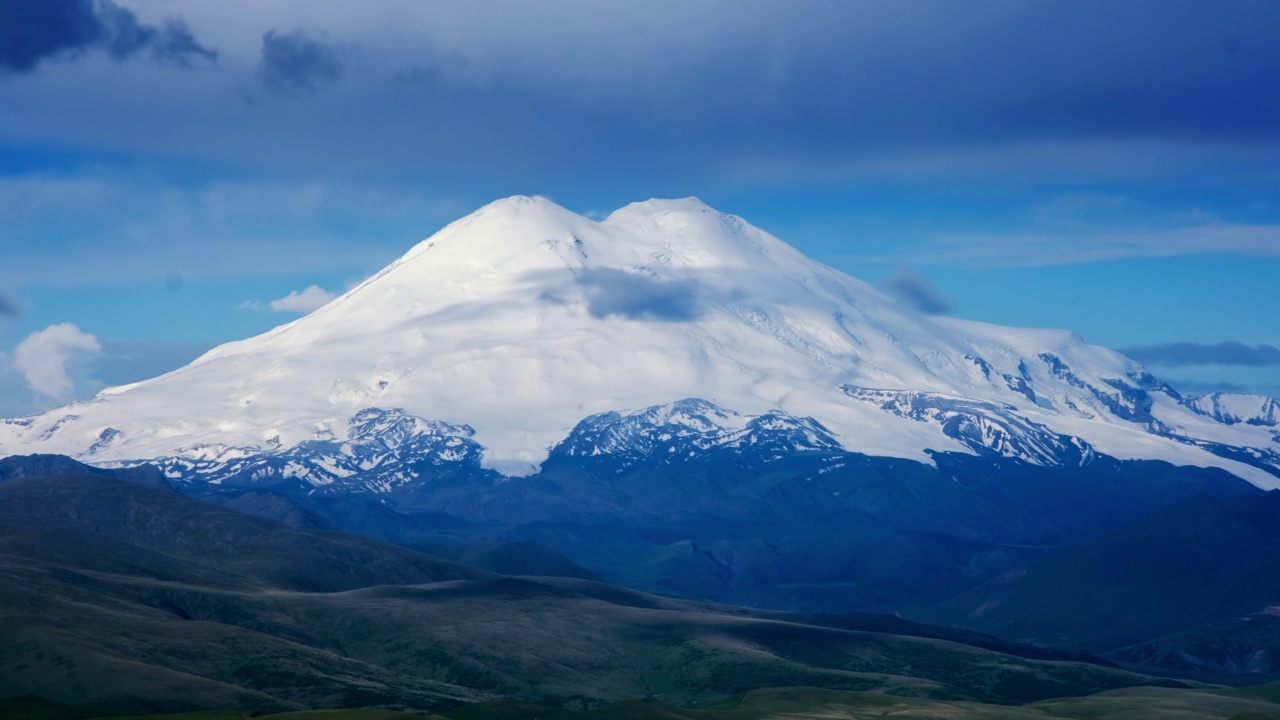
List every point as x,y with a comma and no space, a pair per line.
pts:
688,428
525,330
381,451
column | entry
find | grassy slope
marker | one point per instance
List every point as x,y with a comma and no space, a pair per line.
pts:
129,598
769,703
144,644
802,702
791,702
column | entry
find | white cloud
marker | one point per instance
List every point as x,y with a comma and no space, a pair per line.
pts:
313,298
42,358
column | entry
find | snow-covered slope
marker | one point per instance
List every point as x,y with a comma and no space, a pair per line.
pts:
504,331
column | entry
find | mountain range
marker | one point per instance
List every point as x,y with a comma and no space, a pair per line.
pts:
677,402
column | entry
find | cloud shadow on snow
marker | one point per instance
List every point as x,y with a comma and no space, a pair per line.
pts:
615,293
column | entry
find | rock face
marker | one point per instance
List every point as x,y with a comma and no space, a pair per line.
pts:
524,332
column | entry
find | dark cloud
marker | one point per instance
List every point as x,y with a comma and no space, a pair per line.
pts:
298,62
1185,353
639,297
8,307
913,289
687,95
32,31
175,44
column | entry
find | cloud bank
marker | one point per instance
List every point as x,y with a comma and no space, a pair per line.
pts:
746,92
1197,387
1226,353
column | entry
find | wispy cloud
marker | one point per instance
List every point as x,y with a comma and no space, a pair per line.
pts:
1094,236
916,291
312,298
130,227
43,356
1030,249
1185,353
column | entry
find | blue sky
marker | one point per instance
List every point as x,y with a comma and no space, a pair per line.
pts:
169,169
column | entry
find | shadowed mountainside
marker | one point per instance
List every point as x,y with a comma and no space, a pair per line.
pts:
817,531
1188,588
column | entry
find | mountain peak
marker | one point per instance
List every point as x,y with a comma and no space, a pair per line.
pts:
511,233
532,213
660,206
517,203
